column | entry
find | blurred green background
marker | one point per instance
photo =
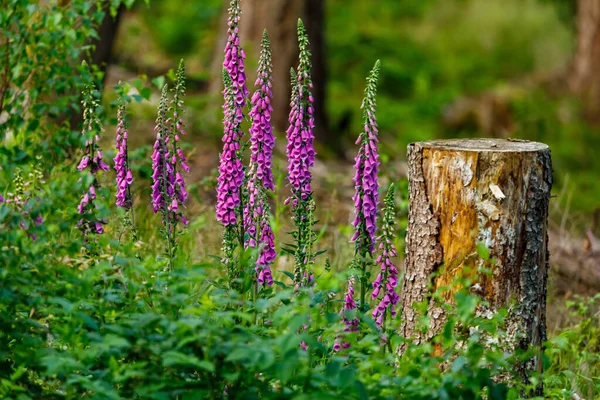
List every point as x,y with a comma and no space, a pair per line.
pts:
450,68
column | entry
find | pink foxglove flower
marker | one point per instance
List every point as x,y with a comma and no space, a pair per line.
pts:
366,165
178,160
231,172
385,284
300,136
301,158
235,55
163,177
235,93
92,162
124,175
260,175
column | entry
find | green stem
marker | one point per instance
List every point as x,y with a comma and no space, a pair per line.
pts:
255,299
169,236
363,281
383,331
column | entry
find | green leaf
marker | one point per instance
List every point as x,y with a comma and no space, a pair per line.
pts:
483,251
361,390
288,274
146,93
159,81
174,358
138,84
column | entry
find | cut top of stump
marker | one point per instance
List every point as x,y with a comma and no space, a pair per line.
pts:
485,145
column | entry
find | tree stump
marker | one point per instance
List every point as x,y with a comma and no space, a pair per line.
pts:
465,192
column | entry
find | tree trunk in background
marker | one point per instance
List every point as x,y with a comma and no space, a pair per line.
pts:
280,18
103,46
314,20
102,53
584,75
464,192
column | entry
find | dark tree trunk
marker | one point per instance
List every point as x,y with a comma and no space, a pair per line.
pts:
464,192
584,74
314,19
103,46
102,52
280,18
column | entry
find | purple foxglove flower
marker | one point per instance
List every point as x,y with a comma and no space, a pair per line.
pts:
260,175
266,253
351,323
366,165
301,157
178,159
124,175
92,162
234,58
161,164
22,195
168,186
300,136
350,305
387,280
261,132
235,93
231,172
83,163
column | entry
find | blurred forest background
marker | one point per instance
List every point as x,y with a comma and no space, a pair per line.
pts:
523,69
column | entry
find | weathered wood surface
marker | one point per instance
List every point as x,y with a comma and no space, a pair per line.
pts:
461,193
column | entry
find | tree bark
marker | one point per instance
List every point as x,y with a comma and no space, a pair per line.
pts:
584,75
102,52
103,46
465,192
280,18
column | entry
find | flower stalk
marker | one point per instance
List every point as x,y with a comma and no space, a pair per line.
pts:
230,184
231,178
260,175
176,132
366,187
301,158
387,279
124,176
168,161
92,162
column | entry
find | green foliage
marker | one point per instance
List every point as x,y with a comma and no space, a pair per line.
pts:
106,321
115,327
41,46
188,33
575,352
434,51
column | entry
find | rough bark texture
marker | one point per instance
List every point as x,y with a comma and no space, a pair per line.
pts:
280,18
423,250
584,77
465,192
